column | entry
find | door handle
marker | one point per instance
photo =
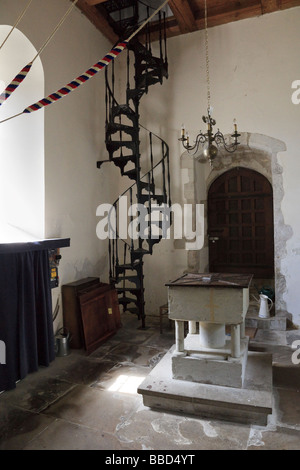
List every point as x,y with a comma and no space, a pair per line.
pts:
213,239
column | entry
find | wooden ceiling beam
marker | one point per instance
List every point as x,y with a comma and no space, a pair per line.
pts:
250,11
217,18
228,16
184,20
183,15
267,6
98,19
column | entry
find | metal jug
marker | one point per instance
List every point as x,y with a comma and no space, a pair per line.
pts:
62,342
264,309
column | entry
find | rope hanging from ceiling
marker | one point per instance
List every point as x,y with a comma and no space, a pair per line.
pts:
15,83
74,84
16,23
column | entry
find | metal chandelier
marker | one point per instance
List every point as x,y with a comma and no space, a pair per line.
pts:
210,141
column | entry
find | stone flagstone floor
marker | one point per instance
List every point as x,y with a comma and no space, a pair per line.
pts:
90,402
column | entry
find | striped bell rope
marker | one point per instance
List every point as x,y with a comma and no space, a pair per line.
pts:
115,51
74,84
24,72
15,83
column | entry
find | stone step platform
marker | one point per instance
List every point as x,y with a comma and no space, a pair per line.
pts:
250,405
275,322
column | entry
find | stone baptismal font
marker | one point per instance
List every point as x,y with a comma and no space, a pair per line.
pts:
209,372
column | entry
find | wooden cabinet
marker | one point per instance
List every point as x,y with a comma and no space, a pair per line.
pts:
90,312
100,315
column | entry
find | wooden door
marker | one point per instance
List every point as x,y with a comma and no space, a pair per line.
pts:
240,224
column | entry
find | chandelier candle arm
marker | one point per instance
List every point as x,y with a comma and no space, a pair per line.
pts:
182,131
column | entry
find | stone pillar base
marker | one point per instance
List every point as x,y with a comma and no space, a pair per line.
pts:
210,366
251,404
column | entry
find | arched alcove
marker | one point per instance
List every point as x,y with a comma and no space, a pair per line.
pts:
22,189
257,152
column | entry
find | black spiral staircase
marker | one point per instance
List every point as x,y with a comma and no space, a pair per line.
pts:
132,148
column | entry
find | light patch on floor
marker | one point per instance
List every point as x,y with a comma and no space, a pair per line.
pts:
126,384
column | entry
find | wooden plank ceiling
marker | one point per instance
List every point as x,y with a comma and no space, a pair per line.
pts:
185,16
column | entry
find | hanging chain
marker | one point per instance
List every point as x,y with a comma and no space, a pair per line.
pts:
207,59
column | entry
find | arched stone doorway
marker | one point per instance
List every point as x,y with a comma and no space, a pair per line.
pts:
256,152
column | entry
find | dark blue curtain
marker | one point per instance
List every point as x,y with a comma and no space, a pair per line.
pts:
26,325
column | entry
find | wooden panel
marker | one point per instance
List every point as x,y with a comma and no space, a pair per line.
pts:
100,315
71,308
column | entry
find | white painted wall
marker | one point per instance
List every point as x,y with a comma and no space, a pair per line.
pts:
252,66
74,134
